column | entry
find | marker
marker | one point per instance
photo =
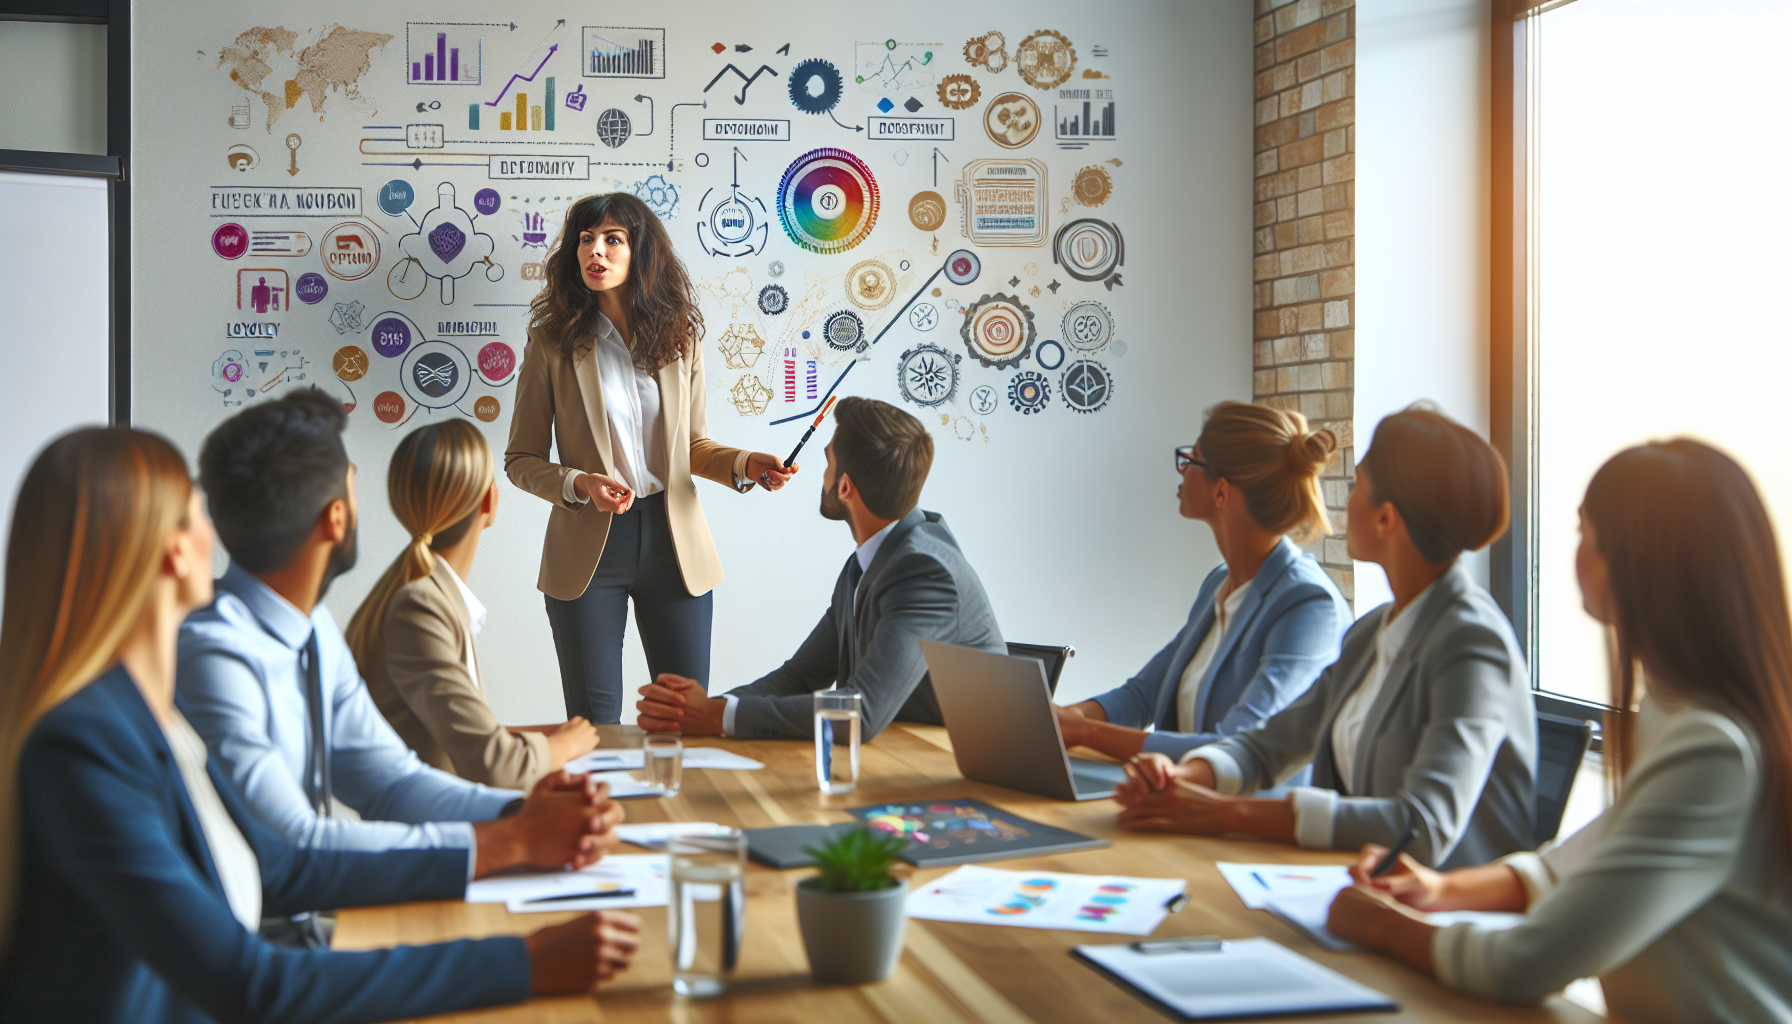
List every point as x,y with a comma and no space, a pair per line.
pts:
818,418
610,894
1393,856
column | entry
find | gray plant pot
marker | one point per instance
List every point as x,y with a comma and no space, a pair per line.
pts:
852,937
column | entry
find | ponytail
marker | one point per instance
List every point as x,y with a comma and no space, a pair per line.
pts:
1275,460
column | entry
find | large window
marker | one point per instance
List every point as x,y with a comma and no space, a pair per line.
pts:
1655,229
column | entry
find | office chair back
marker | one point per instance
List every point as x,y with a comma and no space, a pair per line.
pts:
1053,657
1561,744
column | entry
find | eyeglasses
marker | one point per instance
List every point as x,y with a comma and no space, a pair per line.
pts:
1185,457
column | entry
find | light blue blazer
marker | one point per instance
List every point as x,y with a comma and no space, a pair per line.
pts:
1288,630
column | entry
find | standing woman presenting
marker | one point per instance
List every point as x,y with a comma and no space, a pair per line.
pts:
612,381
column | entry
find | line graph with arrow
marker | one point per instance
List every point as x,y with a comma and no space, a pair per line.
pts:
746,79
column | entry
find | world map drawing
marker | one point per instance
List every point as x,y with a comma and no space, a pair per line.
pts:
337,60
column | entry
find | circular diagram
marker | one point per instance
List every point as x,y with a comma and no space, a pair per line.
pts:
928,375
962,267
927,210
1049,355
871,285
844,330
349,363
1086,385
732,221
388,406
828,200
998,330
775,268
923,316
230,241
406,279
486,408
959,92
983,400
773,300
1088,326
815,86
988,51
435,374
1092,186
496,361
391,337
1011,119
1089,249
350,251
1029,392
1045,59
311,288
614,128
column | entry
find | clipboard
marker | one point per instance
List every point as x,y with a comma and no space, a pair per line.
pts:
1238,980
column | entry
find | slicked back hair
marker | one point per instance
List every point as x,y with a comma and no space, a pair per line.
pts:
886,451
270,471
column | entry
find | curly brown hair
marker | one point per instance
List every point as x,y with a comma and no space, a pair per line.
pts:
665,323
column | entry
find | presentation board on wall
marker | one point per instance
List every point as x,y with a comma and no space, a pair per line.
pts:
1028,226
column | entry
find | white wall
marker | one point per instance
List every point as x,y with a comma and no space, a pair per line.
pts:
1423,122
54,79
1070,518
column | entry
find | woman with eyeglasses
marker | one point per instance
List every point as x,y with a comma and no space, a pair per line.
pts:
1265,623
1424,728
1675,898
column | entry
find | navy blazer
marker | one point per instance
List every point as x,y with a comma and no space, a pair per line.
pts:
1288,630
121,916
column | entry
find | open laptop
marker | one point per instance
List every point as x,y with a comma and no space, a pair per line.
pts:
998,711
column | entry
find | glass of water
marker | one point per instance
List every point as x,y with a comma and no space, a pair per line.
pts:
708,912
837,740
662,761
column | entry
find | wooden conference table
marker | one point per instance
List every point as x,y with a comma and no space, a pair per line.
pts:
949,972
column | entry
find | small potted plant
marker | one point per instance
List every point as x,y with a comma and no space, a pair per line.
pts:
853,914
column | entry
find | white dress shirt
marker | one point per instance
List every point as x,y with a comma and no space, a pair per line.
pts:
238,869
476,613
1316,808
865,553
1188,691
632,405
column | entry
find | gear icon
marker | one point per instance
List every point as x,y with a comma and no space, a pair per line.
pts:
1029,392
928,375
871,285
1088,326
998,330
844,331
815,86
988,51
959,92
775,268
1086,385
773,300
1045,59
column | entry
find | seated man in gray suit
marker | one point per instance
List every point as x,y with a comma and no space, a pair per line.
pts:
907,581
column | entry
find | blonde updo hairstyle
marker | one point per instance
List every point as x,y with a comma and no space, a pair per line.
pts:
1274,459
436,482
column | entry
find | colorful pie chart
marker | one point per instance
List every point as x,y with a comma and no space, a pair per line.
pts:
828,200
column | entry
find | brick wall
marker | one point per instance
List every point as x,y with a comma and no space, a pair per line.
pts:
1304,269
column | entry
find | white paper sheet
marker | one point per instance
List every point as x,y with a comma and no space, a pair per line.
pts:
633,759
645,873
655,835
1044,899
623,785
1308,914
1257,884
1245,978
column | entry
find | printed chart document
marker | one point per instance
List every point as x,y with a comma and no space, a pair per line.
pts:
614,883
633,759
1046,899
1242,978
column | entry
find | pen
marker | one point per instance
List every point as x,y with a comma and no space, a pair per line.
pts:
1175,903
1192,944
565,897
1393,855
806,434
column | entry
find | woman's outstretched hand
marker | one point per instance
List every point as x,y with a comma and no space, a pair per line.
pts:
768,471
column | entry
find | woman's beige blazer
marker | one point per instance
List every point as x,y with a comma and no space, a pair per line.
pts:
417,673
560,406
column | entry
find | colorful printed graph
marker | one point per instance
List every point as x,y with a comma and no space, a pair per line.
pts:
828,200
1105,903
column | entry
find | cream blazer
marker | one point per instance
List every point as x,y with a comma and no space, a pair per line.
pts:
417,674
560,408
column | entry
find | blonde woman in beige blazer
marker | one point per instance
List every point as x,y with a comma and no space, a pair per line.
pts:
609,427
413,637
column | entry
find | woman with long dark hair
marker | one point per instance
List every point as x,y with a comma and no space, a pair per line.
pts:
612,380
1677,897
132,875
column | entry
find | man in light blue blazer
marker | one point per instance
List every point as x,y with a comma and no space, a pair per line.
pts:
1264,625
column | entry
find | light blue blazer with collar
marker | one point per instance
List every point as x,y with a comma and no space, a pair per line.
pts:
1288,630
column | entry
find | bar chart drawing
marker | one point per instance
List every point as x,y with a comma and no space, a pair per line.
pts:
612,52
1081,123
438,54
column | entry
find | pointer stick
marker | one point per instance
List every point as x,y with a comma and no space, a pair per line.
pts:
806,434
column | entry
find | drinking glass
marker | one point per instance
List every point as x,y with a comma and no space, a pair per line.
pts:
707,914
837,740
662,758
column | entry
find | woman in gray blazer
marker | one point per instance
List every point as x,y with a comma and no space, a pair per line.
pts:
1677,897
1425,723
1264,624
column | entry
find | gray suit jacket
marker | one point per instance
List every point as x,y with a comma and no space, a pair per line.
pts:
1450,743
918,586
